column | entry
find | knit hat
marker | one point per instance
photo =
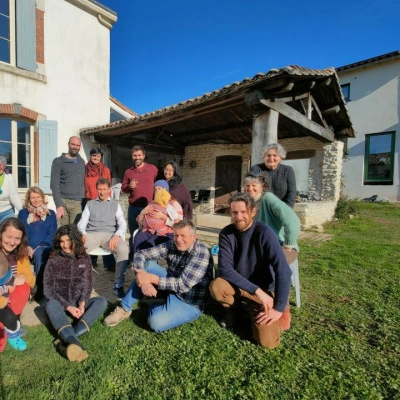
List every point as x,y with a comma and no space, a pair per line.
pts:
162,197
163,184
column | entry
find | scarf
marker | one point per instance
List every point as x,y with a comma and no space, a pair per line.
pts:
37,213
94,169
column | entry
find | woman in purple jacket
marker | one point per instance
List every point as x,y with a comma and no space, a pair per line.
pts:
67,287
178,189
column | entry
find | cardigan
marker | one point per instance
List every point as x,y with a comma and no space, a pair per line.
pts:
281,219
67,179
90,183
282,181
24,268
9,197
181,194
40,233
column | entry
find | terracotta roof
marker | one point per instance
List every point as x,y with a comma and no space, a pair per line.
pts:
228,89
222,116
393,54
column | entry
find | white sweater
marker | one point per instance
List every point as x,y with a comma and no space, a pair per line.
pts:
10,197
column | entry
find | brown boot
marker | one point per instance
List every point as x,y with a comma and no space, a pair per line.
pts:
69,345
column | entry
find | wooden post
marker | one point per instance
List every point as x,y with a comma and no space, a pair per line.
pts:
265,131
113,167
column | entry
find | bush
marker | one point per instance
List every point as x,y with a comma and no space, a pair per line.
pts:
346,207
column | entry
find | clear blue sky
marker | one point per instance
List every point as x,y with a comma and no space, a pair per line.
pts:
164,52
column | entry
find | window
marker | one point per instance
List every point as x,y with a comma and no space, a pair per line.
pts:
346,91
5,30
379,158
18,33
16,138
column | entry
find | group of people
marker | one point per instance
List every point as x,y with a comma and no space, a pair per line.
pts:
255,250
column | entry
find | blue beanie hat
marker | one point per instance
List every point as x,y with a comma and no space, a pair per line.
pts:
163,184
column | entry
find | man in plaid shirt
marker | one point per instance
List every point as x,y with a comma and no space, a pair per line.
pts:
176,294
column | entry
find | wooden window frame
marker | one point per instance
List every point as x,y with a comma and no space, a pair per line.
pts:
14,151
379,181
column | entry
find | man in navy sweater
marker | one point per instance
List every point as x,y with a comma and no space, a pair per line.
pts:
252,266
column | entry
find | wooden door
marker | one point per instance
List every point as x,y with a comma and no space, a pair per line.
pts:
228,176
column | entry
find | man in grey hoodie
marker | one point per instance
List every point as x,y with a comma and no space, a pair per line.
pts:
67,183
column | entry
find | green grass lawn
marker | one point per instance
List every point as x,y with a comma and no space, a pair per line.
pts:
344,342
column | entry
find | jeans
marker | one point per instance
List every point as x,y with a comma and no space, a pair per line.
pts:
94,308
161,317
6,214
133,212
40,257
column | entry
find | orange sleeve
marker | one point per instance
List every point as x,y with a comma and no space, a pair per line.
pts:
24,268
3,302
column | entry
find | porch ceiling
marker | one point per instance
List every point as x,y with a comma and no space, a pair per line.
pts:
310,104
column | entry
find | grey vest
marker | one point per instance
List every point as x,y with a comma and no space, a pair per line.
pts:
102,216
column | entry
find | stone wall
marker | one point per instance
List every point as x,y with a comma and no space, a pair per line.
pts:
324,179
314,214
325,171
202,176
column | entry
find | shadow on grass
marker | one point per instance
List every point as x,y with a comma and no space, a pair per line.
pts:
242,326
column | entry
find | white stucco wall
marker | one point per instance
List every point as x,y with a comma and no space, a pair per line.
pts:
374,108
76,70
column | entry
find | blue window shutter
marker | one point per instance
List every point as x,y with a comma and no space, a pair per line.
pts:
26,34
47,152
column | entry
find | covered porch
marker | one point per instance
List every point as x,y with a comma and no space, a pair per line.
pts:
216,137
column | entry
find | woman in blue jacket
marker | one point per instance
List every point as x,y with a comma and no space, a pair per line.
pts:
40,224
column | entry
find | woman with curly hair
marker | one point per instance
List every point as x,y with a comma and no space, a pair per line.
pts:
67,287
13,244
178,189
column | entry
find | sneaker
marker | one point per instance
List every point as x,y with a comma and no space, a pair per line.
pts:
119,292
17,343
117,316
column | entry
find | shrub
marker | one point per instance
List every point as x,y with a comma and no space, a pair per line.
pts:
346,207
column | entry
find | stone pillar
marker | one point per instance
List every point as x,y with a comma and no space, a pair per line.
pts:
325,171
332,171
265,131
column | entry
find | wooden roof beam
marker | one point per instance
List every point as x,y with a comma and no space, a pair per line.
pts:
318,111
315,130
331,110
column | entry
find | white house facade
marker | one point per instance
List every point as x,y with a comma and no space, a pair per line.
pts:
371,162
54,79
